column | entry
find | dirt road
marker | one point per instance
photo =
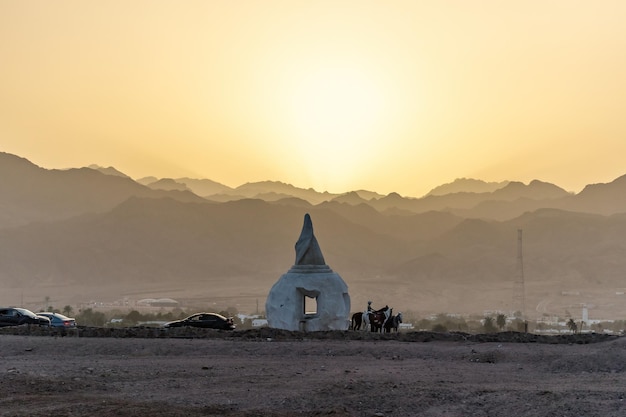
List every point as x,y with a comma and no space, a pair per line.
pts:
308,376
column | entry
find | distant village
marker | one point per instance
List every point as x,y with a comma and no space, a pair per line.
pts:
157,311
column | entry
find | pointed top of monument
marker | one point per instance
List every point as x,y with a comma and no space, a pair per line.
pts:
308,251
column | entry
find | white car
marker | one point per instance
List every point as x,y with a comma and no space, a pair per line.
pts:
59,320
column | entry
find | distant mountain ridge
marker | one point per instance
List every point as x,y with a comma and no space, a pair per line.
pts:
65,233
467,185
108,170
30,193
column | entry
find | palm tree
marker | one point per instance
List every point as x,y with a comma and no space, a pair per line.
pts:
572,325
501,321
488,325
68,310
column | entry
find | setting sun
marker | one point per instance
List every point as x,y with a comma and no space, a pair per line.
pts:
338,108
335,116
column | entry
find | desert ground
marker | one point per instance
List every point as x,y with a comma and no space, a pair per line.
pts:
267,372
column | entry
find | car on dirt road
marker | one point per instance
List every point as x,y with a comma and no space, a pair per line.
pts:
15,316
59,320
205,321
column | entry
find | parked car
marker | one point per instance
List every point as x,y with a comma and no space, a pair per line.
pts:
204,320
15,316
59,320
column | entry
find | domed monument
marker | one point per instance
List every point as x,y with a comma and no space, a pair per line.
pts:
310,296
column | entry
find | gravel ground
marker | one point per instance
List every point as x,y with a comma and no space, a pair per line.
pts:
148,372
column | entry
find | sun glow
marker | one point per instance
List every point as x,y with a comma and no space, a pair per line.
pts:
336,116
331,95
336,106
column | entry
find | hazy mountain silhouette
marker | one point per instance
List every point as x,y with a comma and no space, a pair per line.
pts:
255,189
81,234
609,198
352,198
147,180
30,193
467,185
108,170
515,199
407,228
293,201
464,197
368,195
168,184
464,202
242,247
536,189
204,187
246,244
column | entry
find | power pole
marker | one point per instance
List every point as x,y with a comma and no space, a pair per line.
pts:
518,290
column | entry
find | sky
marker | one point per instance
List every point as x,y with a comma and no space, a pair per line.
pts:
396,96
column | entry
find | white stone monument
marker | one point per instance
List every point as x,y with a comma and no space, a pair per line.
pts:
310,296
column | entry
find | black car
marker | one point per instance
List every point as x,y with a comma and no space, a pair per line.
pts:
14,316
204,320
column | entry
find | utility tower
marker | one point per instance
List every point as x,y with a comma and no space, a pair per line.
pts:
519,302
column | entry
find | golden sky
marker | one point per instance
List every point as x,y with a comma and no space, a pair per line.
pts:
336,95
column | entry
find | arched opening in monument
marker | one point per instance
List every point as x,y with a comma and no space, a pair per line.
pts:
310,306
309,302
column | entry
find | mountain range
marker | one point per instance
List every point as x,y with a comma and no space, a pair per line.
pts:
95,234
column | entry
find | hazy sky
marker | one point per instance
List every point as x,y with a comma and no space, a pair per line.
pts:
338,95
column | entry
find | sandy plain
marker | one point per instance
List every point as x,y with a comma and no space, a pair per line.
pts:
265,372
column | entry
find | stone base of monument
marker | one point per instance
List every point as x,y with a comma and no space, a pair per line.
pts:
310,296
309,301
